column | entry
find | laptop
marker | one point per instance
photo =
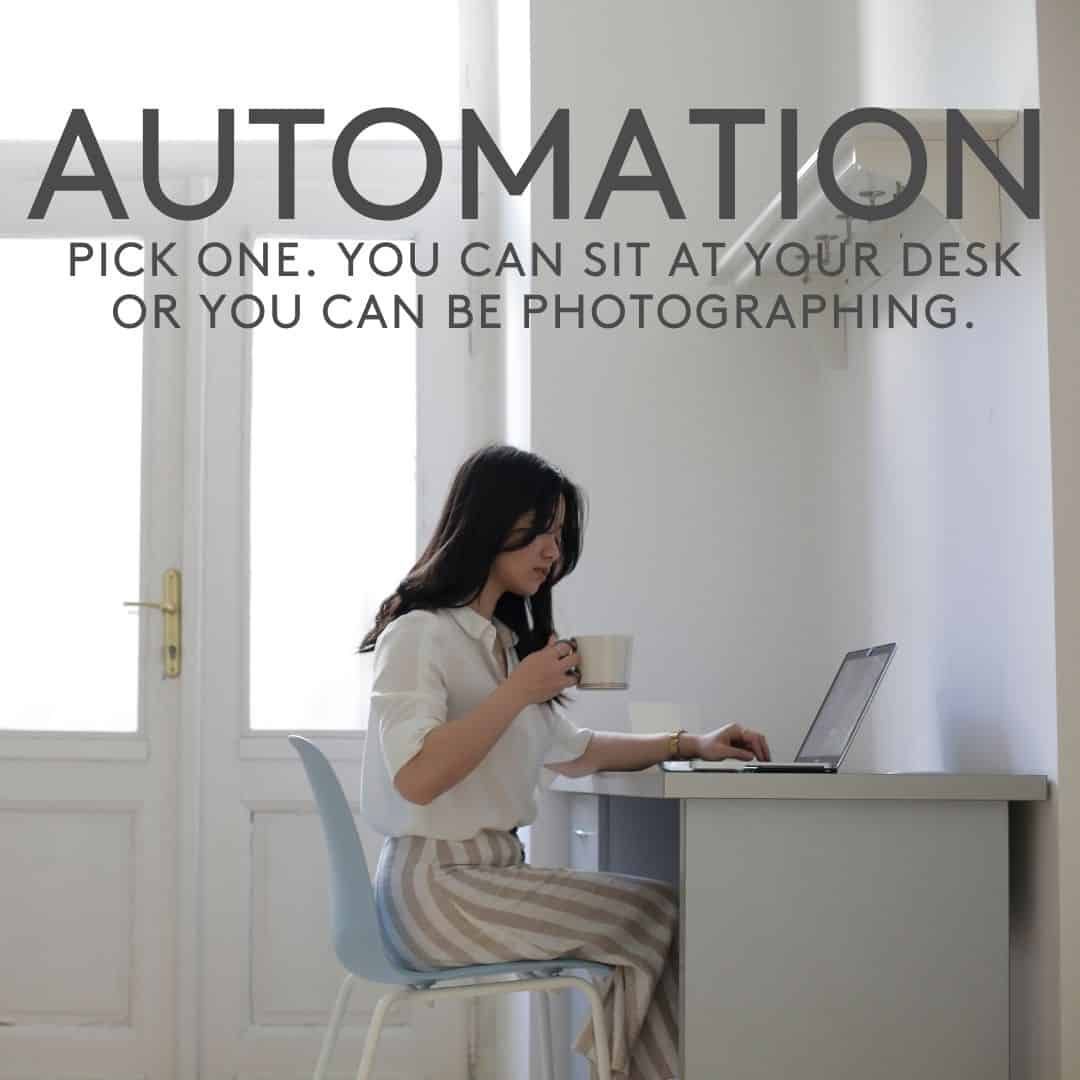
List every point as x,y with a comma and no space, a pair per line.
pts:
831,734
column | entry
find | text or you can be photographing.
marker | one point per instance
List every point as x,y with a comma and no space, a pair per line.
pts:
452,882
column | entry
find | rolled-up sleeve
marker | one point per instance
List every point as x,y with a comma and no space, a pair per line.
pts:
566,741
408,695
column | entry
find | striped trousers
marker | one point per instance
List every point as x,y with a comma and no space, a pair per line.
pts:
448,903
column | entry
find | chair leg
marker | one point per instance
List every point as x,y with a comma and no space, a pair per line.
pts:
331,1036
600,1035
367,1060
546,1050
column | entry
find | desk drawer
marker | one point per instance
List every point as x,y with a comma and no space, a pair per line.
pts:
584,832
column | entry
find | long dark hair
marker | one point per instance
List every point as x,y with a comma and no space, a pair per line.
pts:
493,487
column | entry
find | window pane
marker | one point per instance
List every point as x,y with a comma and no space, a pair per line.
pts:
193,60
70,437
333,491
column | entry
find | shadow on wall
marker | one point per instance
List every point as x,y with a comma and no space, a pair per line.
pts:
957,750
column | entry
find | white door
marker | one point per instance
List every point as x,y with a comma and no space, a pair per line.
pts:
91,438
164,910
326,451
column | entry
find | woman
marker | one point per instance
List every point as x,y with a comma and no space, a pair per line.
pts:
467,677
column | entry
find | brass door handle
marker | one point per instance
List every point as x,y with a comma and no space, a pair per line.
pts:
170,608
165,607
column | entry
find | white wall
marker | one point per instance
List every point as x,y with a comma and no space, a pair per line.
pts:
700,451
922,53
940,505
941,446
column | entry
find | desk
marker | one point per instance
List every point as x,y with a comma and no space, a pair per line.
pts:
844,927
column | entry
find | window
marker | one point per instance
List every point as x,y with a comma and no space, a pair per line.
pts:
69,556
333,490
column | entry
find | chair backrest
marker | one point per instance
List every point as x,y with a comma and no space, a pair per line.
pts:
358,940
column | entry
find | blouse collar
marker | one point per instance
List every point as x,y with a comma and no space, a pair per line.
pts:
475,625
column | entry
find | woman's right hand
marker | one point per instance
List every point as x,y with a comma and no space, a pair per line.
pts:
543,674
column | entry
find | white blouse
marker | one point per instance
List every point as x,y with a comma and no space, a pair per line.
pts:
435,666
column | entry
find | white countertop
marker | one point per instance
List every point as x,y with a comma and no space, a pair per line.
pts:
655,783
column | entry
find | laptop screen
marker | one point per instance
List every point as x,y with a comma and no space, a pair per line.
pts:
844,704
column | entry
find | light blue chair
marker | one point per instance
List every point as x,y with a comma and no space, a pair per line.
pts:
359,943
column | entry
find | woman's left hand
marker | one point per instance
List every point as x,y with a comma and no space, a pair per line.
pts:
733,741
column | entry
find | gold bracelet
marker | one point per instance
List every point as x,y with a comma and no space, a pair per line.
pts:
673,744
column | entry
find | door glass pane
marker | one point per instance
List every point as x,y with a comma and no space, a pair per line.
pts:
70,438
333,488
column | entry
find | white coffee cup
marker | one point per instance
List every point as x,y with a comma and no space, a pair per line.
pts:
604,660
